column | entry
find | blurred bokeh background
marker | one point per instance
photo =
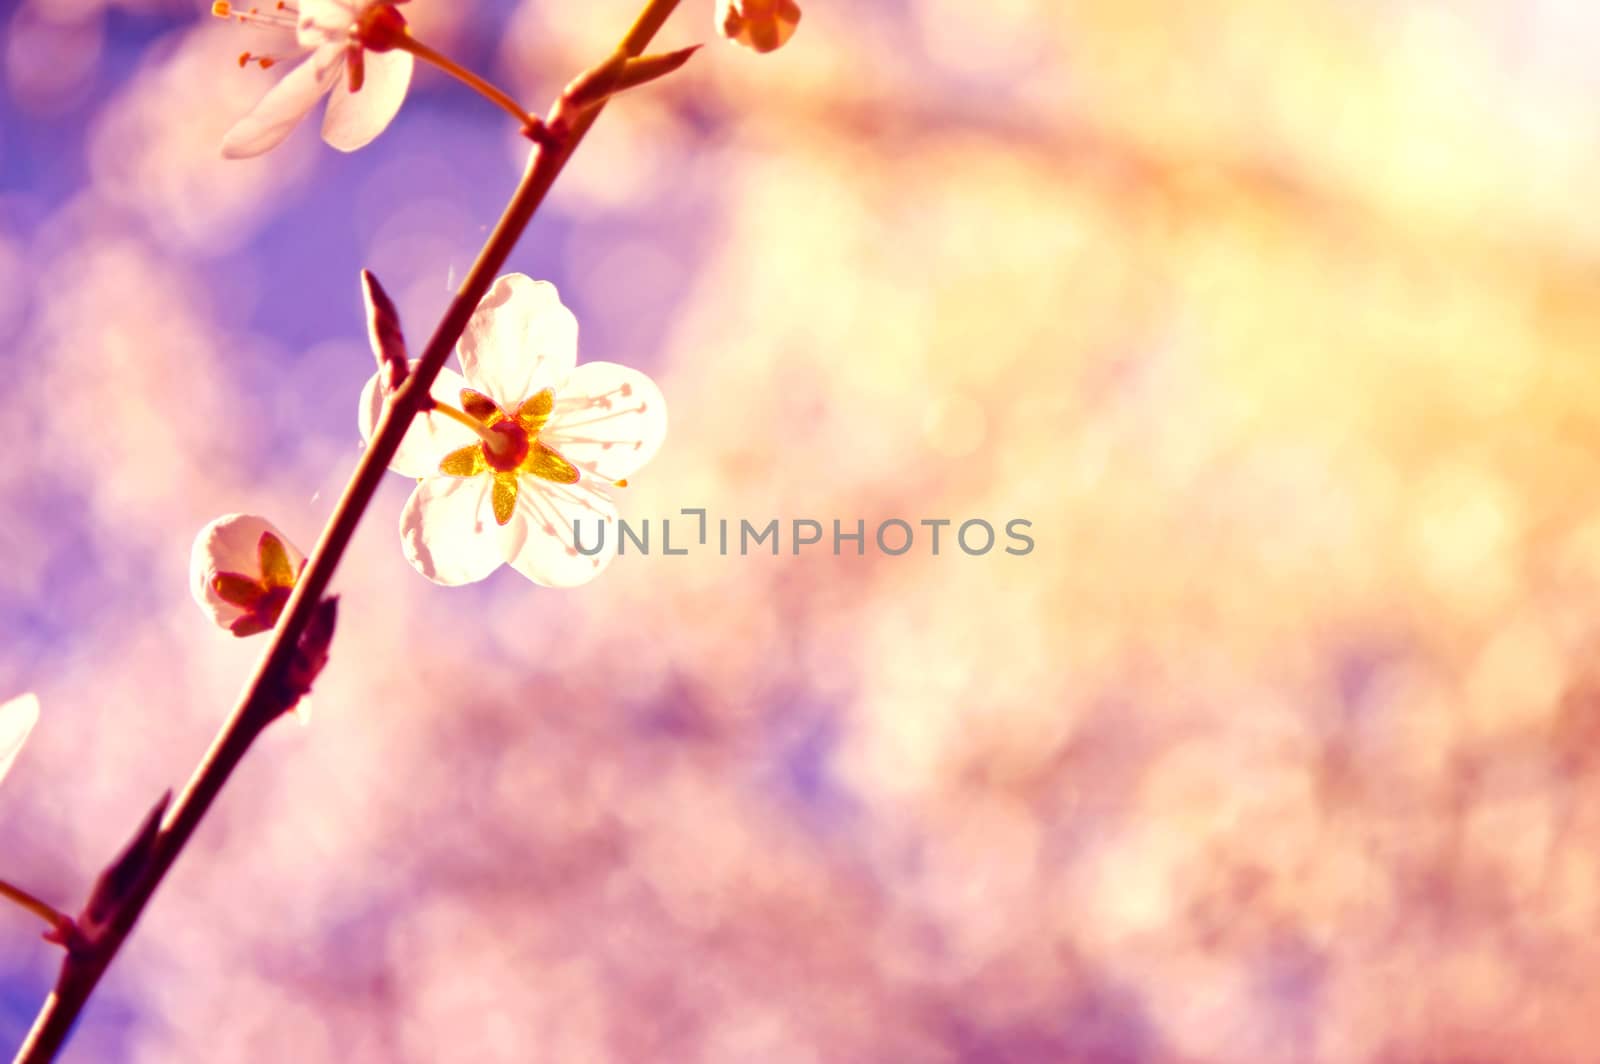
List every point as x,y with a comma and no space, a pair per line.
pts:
1277,318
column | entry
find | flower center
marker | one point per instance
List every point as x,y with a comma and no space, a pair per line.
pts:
508,447
380,28
508,450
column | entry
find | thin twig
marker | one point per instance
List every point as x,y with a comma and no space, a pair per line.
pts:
456,70
261,700
35,905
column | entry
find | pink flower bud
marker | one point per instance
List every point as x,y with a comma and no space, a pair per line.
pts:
764,25
241,572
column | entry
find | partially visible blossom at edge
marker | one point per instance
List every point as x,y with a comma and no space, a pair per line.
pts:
17,718
367,89
562,436
241,572
765,25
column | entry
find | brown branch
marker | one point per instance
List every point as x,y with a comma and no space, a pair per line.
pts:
262,700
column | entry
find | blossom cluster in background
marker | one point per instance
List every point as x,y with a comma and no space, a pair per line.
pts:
1276,318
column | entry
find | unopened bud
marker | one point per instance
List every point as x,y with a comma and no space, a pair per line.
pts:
593,85
241,571
383,332
115,884
765,25
648,68
600,82
311,653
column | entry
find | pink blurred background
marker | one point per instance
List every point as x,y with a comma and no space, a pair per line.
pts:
1275,317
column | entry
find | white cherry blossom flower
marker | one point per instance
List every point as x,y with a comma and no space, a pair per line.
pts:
241,571
17,718
764,25
335,36
521,472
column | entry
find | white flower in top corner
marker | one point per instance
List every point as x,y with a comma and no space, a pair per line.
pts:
241,571
522,471
336,37
17,718
764,25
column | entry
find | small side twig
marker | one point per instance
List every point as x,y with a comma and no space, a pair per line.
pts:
61,926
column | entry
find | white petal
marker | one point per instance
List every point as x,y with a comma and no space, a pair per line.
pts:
354,118
431,436
608,421
449,534
322,21
231,544
554,513
521,340
282,108
17,718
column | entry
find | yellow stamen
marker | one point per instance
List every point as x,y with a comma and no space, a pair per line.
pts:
504,497
480,406
281,16
547,463
620,483
535,412
467,462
